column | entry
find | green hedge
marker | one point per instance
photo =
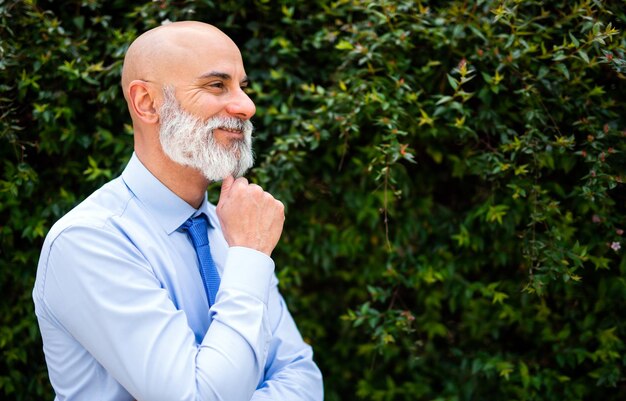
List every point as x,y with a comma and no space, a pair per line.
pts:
453,174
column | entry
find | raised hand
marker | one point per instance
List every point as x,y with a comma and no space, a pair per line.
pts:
250,217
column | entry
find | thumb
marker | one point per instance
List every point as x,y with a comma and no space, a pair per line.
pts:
226,184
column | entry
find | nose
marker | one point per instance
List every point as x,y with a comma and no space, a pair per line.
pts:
241,105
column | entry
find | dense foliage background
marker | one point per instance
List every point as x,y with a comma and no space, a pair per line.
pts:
453,171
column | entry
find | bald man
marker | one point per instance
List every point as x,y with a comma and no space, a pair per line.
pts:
145,290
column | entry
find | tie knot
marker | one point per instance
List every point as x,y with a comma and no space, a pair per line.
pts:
197,228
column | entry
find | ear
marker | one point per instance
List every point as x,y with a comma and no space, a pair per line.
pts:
141,100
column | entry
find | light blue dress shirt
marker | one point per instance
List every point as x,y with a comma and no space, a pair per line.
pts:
123,312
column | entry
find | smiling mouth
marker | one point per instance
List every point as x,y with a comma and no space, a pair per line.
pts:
231,130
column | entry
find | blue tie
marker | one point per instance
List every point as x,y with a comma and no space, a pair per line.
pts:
196,228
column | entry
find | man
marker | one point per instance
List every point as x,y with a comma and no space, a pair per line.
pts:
131,302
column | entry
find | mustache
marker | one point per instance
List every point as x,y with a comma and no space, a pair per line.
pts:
231,123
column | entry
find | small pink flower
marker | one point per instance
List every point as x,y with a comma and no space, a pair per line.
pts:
616,246
619,231
596,219
408,315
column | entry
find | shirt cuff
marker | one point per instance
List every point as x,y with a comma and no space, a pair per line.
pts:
248,270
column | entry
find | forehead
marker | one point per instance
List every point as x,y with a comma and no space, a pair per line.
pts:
207,58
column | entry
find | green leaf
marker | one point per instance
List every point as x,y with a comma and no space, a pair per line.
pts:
496,213
563,69
444,99
453,82
583,55
344,45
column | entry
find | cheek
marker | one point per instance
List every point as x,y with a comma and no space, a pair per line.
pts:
204,107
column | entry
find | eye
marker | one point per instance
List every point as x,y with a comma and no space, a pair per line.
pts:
216,85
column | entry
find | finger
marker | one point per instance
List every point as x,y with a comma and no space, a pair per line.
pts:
227,183
254,188
280,206
241,181
267,197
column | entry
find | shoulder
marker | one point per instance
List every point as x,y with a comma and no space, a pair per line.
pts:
100,223
96,211
90,236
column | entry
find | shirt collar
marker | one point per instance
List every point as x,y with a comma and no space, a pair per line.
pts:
167,208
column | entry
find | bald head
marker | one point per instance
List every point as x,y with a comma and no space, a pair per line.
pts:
160,54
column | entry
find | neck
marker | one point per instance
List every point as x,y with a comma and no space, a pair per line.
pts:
186,182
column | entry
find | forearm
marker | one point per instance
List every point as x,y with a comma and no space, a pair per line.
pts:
122,318
301,381
291,373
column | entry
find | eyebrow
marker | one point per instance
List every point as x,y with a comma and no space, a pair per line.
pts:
222,75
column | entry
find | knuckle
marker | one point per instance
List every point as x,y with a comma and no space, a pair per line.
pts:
255,188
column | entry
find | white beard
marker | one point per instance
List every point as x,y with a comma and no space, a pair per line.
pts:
189,141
